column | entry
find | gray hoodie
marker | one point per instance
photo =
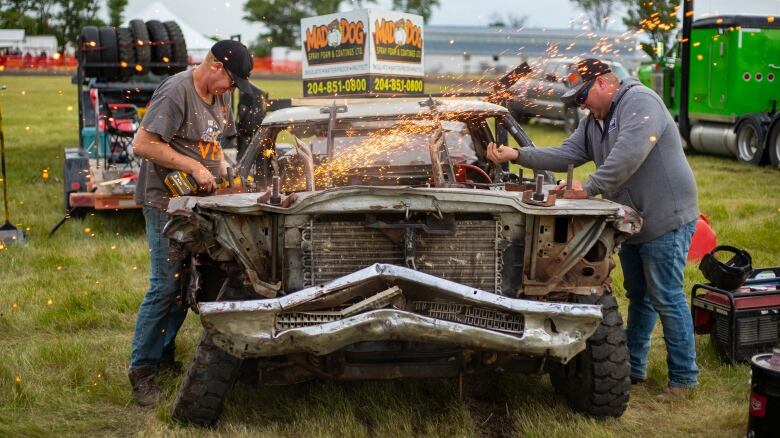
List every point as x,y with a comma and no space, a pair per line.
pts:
639,161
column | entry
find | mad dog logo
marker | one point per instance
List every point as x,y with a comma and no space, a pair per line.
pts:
399,40
340,41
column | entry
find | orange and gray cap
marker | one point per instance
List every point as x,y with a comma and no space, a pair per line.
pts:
582,75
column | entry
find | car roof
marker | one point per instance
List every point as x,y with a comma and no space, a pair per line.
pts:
380,108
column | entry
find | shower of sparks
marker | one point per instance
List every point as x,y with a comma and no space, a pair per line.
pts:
357,153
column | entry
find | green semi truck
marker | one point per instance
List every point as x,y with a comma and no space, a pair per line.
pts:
732,87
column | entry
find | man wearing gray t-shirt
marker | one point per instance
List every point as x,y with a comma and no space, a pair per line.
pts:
185,124
635,144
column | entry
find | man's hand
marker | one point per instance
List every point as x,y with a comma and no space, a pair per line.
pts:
223,168
501,154
204,178
575,185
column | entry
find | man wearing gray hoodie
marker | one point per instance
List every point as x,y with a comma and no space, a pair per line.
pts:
639,159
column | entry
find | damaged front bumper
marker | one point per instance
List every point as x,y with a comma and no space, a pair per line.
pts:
387,302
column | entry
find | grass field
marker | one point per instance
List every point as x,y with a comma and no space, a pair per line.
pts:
68,304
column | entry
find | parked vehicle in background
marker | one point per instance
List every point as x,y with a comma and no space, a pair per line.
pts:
384,245
538,94
732,87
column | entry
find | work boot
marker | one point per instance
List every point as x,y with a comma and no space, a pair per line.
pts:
672,393
146,391
170,366
637,380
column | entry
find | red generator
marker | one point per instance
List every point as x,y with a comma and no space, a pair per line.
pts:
741,322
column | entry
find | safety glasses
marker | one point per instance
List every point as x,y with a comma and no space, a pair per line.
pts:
232,82
583,95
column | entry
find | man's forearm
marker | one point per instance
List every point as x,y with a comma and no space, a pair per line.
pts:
154,149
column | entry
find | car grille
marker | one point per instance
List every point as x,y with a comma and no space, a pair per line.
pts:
470,256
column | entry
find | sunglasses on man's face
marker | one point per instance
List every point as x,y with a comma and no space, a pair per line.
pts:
232,82
583,95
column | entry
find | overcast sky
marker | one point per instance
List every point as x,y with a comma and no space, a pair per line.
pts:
225,17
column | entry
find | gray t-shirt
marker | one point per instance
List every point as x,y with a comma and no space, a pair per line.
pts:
191,126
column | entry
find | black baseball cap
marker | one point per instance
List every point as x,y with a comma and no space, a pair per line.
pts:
582,75
235,57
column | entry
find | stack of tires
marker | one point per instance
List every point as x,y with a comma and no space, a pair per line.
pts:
117,53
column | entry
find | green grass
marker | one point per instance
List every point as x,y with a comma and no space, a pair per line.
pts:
68,304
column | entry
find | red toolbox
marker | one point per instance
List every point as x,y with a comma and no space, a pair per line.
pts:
741,322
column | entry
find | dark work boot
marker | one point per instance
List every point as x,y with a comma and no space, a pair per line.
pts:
146,391
169,365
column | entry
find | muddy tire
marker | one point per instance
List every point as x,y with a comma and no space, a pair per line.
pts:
206,384
596,382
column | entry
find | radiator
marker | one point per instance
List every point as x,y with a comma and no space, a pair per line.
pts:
470,256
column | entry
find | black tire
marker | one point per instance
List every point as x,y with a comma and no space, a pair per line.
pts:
773,144
596,382
203,390
571,119
750,141
142,44
161,49
109,53
178,46
88,49
124,39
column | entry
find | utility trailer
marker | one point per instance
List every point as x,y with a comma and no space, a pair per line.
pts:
118,71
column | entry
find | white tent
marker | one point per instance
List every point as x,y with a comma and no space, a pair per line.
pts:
197,43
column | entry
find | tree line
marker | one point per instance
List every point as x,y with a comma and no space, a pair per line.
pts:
61,18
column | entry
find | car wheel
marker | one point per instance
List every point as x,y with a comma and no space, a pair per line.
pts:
596,382
773,145
750,141
571,120
206,384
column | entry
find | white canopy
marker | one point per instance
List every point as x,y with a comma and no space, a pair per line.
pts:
197,43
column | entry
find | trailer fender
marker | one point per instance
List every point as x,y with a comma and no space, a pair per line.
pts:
751,130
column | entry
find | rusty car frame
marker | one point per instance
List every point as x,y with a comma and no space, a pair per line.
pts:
376,241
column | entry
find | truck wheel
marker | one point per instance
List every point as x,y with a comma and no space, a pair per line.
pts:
571,119
143,47
596,382
203,390
773,145
88,49
750,141
178,46
161,48
108,53
124,39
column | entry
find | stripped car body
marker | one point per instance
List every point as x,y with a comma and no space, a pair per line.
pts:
395,270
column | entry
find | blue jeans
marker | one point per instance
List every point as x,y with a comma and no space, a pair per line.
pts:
653,273
161,313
